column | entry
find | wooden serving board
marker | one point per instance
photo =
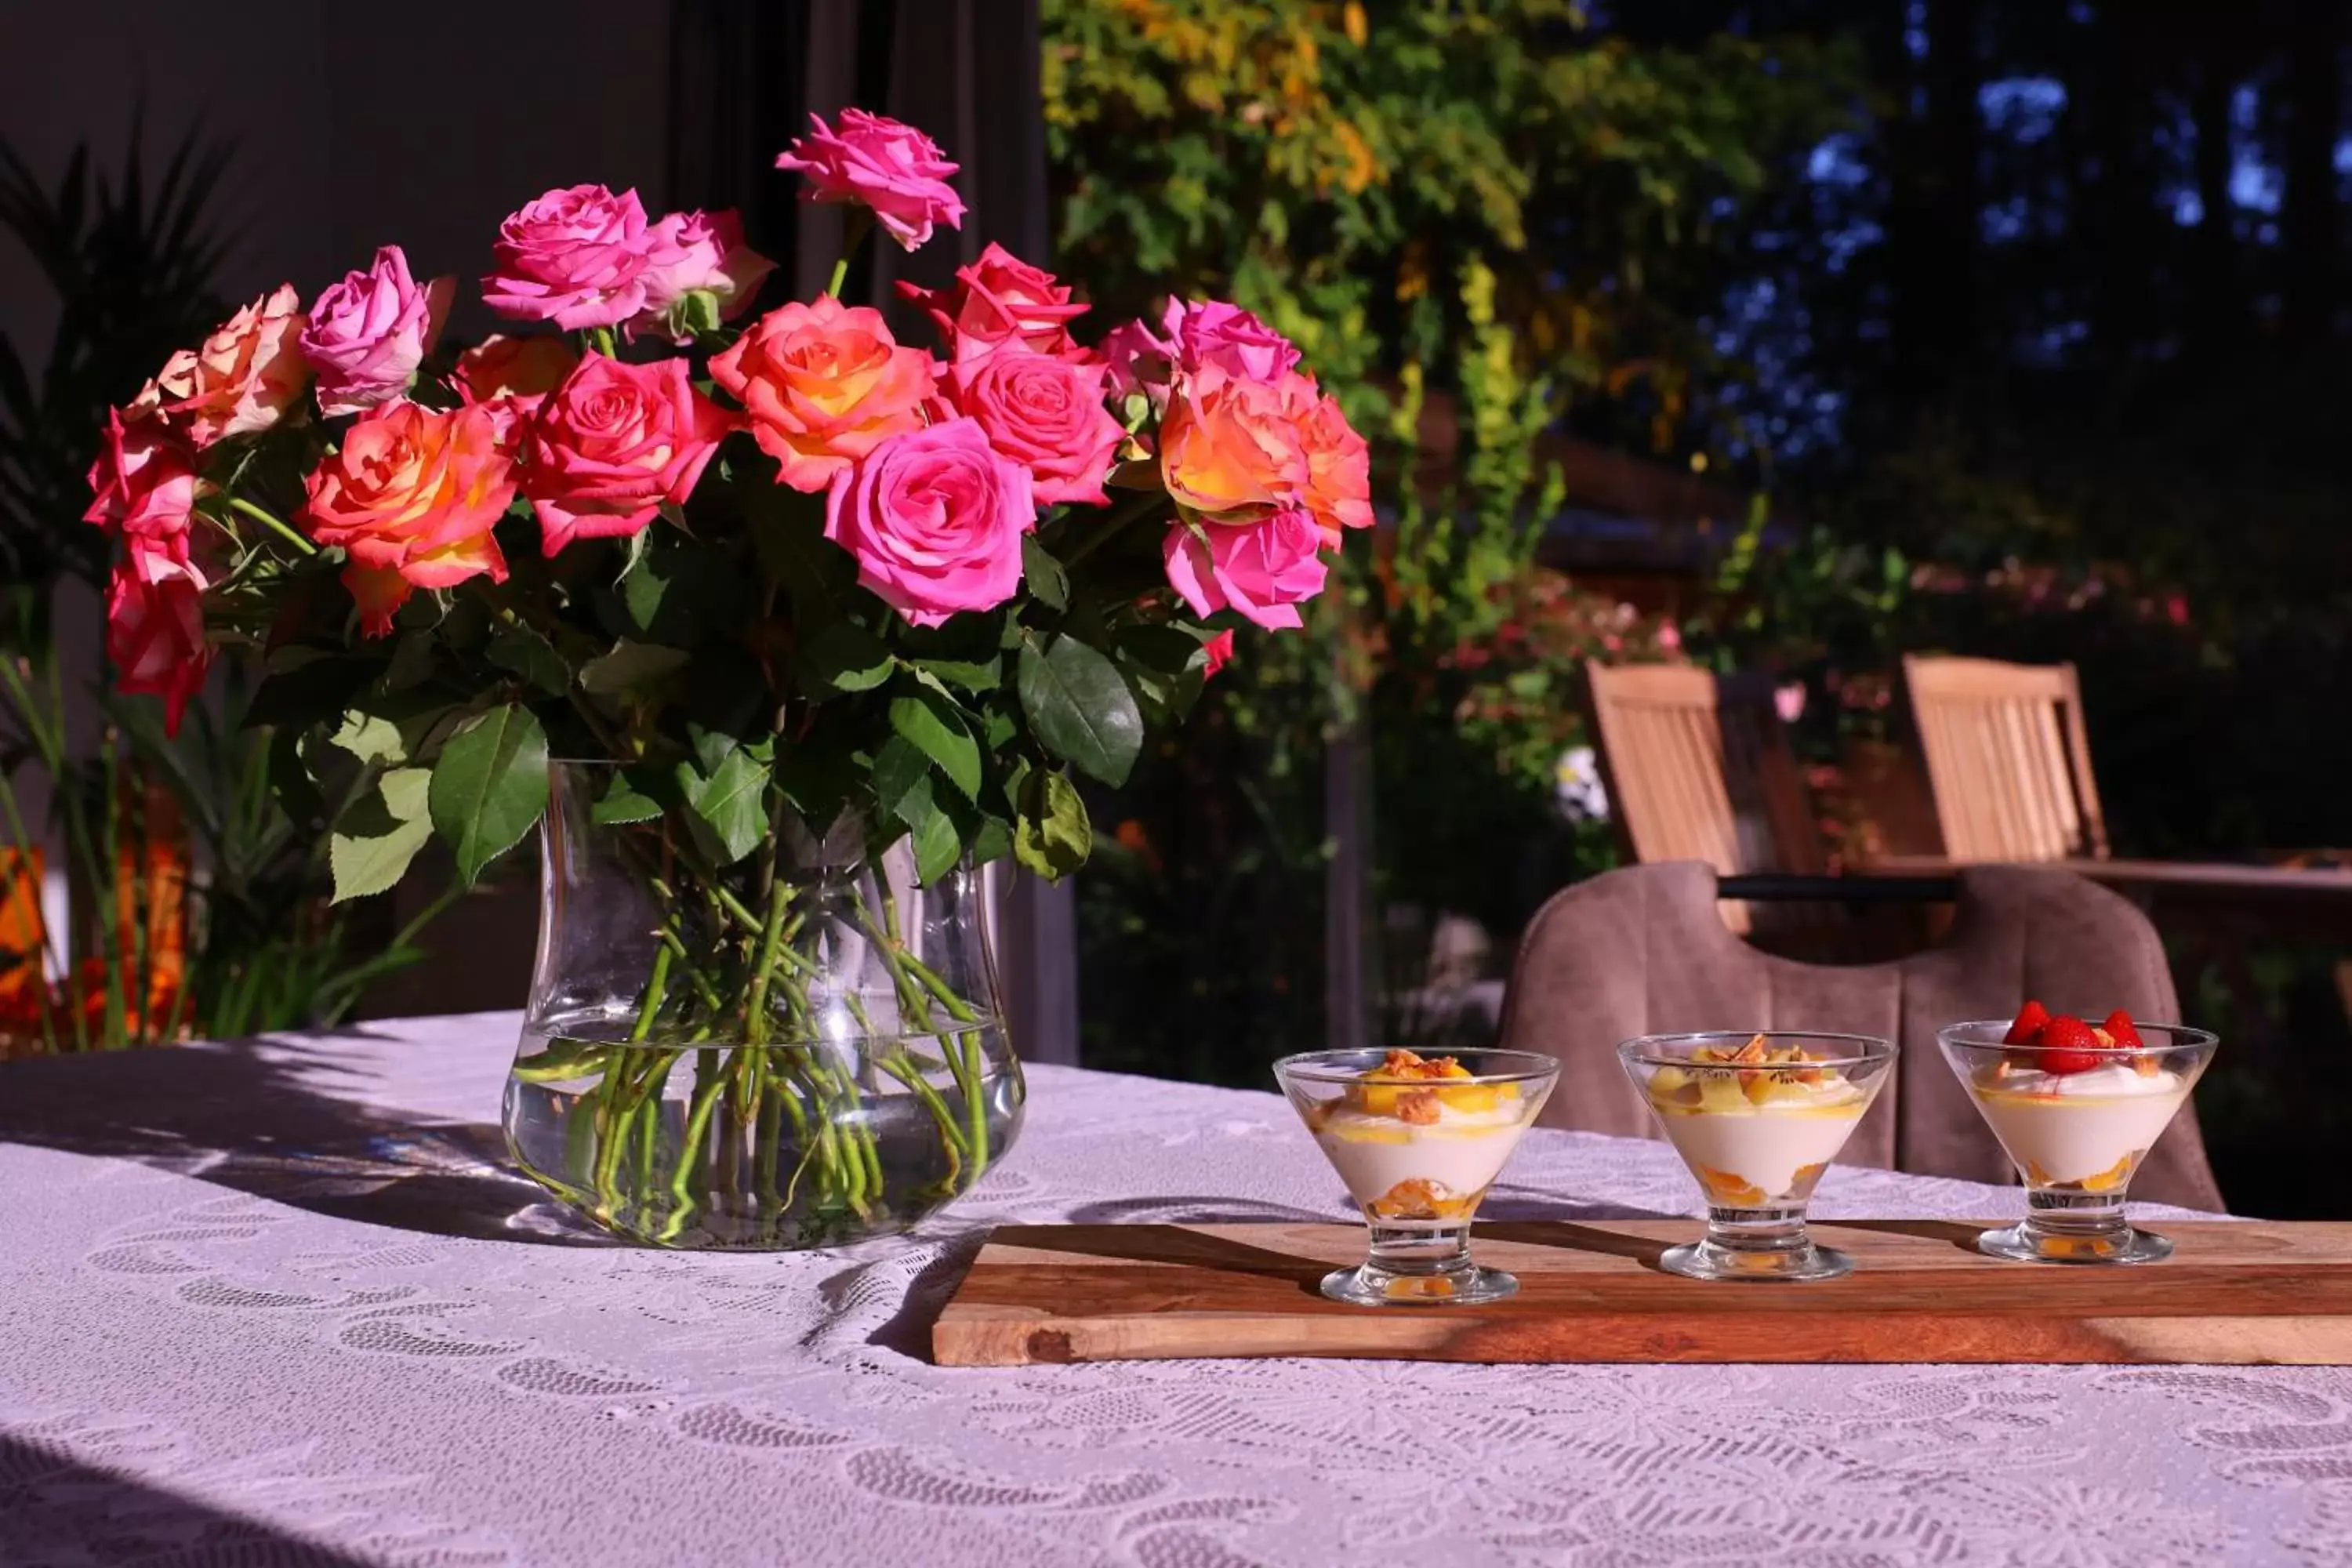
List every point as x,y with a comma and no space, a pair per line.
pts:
2249,1292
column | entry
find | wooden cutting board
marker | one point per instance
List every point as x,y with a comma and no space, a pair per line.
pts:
2249,1292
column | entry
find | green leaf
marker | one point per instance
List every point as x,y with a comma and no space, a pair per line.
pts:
1052,836
370,738
839,656
676,593
533,656
1048,583
490,786
1168,651
788,531
730,802
936,846
412,662
923,716
902,781
308,694
993,841
625,799
972,675
630,665
379,833
1081,710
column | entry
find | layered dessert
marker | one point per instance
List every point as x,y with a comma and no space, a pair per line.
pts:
1416,1141
2077,1105
1757,1124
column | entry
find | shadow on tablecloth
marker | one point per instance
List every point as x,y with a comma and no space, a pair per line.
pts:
55,1508
285,1117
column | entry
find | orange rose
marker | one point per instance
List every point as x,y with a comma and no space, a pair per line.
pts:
1338,488
243,379
412,497
823,385
1232,452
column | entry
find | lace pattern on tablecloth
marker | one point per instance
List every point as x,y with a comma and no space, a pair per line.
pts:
279,1304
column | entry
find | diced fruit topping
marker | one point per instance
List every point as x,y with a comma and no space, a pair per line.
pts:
2119,1030
1397,1088
2067,1044
2031,1019
1418,1198
1730,1187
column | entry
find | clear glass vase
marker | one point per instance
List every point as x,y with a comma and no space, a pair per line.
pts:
800,1049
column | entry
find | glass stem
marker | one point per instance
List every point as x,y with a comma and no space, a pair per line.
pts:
1420,1250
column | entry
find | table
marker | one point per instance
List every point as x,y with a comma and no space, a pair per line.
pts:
278,1299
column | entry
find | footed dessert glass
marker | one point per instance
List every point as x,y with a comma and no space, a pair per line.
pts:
1758,1117
1418,1143
2077,1135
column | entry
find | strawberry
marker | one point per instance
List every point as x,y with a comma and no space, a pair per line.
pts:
2119,1030
2031,1020
2067,1046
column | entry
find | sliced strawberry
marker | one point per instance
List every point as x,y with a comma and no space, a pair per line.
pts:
2119,1030
2031,1020
2068,1046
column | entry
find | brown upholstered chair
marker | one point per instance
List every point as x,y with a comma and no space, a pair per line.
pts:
1641,950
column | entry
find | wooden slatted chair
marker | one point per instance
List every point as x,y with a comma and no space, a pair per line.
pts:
1698,767
2008,760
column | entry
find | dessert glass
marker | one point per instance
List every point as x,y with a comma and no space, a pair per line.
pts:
2077,1138
1417,1143
1758,1117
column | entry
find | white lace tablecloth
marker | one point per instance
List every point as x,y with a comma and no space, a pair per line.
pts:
277,1304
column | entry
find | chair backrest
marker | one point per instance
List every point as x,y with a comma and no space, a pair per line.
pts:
1640,951
2006,758
1698,767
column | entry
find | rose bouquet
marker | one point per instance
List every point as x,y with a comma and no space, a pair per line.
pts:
777,624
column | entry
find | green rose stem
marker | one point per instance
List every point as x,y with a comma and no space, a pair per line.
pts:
267,520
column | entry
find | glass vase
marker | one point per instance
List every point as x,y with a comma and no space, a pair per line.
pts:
801,1048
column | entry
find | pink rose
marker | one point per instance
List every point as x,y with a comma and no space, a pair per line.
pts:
243,379
935,518
877,163
823,385
1140,359
368,334
1220,649
1047,416
1214,339
574,256
142,482
155,623
512,376
697,252
614,443
1265,571
999,299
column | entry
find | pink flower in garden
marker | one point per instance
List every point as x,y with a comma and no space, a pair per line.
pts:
612,444
1001,299
823,385
1213,338
1670,637
369,332
155,623
575,256
872,161
1789,702
1047,416
1264,571
935,518
1140,361
511,376
412,496
687,253
142,482
241,379
1220,649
